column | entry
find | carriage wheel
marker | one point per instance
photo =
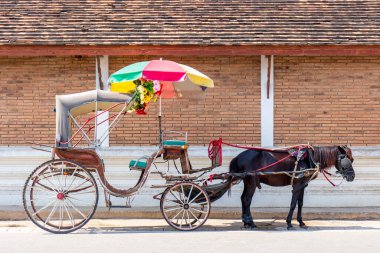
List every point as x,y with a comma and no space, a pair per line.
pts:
60,196
185,206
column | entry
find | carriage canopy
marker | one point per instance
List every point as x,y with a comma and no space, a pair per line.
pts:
72,105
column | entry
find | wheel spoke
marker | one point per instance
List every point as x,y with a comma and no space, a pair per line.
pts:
44,207
191,189
182,193
72,198
69,215
78,186
169,200
177,214
171,192
200,204
55,181
183,214
172,209
51,213
71,177
60,215
43,189
195,197
45,197
75,208
52,184
195,216
199,211
60,175
188,218
41,177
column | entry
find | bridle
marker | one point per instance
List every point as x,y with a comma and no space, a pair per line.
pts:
344,164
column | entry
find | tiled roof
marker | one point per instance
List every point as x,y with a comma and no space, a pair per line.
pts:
186,22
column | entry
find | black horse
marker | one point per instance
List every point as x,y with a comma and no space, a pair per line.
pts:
251,161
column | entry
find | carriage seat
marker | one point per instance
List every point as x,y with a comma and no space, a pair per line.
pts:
180,144
177,149
137,164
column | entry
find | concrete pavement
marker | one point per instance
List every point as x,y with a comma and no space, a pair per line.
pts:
218,235
309,213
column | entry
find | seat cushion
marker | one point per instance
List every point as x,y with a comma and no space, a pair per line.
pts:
139,164
174,143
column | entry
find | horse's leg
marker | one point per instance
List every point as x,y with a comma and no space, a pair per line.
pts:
246,199
295,195
300,205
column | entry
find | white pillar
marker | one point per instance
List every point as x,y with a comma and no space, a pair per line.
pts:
267,102
104,71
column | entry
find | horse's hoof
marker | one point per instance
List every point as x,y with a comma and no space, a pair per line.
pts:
290,227
303,225
251,226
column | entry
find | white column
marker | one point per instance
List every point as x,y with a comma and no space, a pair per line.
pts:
104,71
267,102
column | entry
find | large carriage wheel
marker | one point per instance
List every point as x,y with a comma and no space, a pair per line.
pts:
185,206
60,196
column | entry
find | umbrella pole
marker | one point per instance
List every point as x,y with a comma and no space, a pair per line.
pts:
160,124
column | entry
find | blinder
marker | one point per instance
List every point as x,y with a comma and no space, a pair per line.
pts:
345,165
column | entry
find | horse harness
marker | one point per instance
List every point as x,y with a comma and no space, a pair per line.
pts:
299,152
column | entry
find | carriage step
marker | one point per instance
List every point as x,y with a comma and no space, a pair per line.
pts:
161,186
120,207
136,168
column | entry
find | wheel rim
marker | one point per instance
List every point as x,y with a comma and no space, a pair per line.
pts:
60,196
185,206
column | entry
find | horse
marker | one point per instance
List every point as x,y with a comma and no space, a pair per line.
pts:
249,162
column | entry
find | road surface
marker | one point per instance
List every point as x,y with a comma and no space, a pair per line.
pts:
152,235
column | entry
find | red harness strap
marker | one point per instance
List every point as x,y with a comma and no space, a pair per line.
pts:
214,148
265,149
272,164
328,180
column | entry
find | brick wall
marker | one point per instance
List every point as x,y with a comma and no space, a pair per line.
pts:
327,100
27,94
231,110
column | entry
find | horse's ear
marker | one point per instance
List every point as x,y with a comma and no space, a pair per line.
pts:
342,149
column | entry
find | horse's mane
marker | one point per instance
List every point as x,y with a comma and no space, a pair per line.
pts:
325,156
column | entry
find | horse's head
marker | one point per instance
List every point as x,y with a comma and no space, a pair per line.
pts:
344,163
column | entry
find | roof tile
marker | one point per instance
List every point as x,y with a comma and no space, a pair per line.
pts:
182,22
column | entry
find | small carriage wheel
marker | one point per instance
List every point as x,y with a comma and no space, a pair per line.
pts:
60,196
185,206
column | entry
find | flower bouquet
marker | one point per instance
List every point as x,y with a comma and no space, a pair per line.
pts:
146,90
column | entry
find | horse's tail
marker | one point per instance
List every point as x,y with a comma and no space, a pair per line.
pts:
232,180
233,165
218,190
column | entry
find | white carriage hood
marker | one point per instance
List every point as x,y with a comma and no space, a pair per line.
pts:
82,103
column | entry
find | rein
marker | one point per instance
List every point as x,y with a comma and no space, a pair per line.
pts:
264,149
215,147
329,180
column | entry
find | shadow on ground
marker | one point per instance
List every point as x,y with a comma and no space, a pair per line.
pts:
273,225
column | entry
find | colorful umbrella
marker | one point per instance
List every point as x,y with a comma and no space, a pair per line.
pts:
183,79
175,79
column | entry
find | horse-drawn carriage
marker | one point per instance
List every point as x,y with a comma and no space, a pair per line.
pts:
61,195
